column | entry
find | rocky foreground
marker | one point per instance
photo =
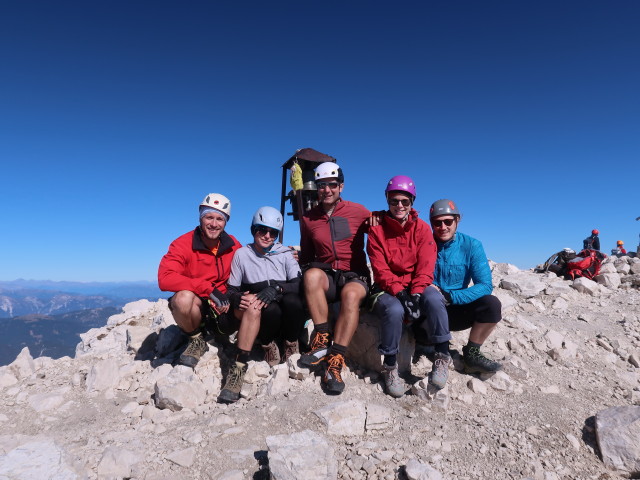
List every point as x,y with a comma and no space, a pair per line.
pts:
566,406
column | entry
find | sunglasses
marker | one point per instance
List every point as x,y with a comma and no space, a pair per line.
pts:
447,221
331,185
393,202
265,230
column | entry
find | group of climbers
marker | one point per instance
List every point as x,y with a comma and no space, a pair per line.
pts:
421,280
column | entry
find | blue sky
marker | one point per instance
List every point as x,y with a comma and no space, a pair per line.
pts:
117,118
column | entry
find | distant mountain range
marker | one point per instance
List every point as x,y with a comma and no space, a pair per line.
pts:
48,317
26,297
49,335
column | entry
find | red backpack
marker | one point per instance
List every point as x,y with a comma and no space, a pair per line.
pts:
586,264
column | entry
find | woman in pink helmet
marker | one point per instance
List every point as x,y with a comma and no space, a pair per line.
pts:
402,253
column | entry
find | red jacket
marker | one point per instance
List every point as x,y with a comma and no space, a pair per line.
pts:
337,240
190,265
402,256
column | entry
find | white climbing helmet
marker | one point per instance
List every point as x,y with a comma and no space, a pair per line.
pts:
217,202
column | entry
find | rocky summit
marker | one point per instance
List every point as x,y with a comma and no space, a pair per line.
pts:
565,406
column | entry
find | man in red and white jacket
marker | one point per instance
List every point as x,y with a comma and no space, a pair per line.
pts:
197,267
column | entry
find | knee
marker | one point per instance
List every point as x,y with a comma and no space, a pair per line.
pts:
352,294
431,297
494,307
392,309
183,301
313,279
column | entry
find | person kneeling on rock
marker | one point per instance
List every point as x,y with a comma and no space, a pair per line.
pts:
264,290
453,305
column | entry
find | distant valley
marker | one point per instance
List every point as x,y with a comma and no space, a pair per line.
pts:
48,316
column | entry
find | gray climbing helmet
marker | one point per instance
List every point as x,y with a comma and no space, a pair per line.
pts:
443,207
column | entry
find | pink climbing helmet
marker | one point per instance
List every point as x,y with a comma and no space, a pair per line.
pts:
401,183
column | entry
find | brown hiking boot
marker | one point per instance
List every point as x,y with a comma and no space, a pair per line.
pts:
231,391
271,354
195,349
290,348
319,347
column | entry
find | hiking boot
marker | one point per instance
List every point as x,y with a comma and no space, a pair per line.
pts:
319,347
475,362
332,378
271,354
440,370
290,348
195,349
392,381
231,391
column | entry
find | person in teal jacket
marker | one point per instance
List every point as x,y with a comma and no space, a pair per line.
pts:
453,305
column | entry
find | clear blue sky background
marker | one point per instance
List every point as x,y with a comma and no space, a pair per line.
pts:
116,118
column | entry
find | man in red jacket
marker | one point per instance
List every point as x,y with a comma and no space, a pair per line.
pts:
197,267
332,251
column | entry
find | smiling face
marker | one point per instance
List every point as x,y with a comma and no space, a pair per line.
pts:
212,225
329,190
444,227
264,237
399,205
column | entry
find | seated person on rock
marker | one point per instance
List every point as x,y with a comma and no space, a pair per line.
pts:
196,268
264,290
619,250
453,305
332,254
402,253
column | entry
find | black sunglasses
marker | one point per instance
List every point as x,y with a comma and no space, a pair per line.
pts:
395,201
262,230
447,221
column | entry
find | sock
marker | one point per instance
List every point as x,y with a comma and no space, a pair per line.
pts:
390,360
195,333
338,349
243,356
322,327
442,347
473,344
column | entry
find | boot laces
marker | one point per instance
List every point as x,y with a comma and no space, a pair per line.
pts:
320,340
195,347
336,362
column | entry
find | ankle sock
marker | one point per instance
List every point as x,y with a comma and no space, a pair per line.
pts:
390,360
442,347
243,356
338,349
195,333
322,327
473,344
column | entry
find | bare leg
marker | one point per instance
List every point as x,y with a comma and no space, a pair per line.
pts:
480,332
185,307
249,328
316,284
352,294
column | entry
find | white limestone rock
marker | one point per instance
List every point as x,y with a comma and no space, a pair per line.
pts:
609,280
343,418
584,285
525,284
184,457
23,366
37,458
103,375
117,462
279,381
416,470
304,454
378,417
180,389
618,436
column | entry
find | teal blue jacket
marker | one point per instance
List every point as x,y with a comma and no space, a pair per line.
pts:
461,260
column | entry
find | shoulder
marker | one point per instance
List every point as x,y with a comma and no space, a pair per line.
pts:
354,207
